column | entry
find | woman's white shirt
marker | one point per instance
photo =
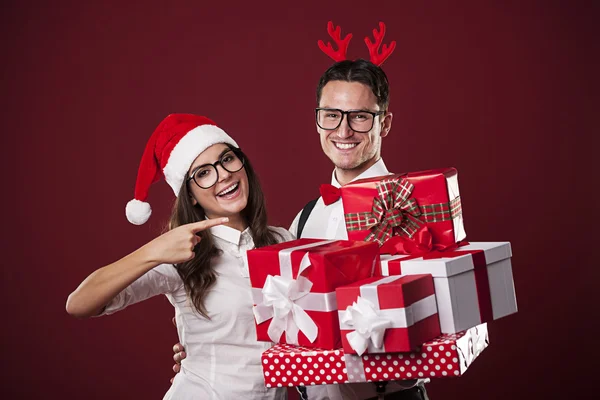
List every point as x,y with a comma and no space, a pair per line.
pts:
223,355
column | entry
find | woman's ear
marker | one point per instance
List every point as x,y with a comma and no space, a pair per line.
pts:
193,199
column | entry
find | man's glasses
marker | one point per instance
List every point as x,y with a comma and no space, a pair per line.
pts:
359,120
207,175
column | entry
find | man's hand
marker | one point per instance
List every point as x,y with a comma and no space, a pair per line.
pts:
178,356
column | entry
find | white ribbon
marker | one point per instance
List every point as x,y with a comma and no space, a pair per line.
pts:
478,341
280,296
471,345
367,323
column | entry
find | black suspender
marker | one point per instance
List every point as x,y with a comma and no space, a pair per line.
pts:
304,216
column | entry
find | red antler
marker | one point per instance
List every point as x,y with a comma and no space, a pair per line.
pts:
340,53
376,57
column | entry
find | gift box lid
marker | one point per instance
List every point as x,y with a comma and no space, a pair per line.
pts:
494,251
449,266
393,292
446,172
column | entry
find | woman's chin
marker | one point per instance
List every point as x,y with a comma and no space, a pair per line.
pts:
231,209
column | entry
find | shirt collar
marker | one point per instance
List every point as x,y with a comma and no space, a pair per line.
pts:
377,169
229,234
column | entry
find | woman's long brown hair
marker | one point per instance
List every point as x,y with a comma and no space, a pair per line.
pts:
198,274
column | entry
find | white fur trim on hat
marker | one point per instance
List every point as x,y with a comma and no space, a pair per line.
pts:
137,211
188,148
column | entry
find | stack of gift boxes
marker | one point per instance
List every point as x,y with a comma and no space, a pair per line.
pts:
405,297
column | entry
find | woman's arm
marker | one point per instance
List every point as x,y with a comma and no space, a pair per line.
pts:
101,286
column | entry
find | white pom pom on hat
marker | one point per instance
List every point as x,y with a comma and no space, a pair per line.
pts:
137,211
169,153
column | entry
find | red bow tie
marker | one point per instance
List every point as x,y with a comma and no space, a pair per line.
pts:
330,193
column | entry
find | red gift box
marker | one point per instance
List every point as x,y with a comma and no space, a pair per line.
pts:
473,283
405,205
446,356
384,315
293,287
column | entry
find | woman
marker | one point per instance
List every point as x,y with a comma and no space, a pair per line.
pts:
199,264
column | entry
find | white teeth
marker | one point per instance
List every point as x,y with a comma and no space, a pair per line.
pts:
345,146
229,189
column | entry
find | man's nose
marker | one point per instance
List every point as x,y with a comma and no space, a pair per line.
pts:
344,130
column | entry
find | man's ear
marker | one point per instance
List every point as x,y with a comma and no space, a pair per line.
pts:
386,123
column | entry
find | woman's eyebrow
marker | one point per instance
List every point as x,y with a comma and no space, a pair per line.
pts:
223,153
218,158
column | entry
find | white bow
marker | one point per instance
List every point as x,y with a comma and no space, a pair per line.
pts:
478,342
368,325
279,297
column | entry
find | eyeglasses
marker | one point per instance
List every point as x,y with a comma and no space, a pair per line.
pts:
359,120
207,175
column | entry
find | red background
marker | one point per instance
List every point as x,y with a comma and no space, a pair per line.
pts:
506,92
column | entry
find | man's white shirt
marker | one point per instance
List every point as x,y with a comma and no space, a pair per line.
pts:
334,228
327,222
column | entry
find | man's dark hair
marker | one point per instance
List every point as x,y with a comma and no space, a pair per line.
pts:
362,71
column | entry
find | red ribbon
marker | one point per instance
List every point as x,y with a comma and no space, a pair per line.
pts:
420,244
482,281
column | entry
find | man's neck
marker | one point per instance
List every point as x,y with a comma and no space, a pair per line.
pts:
344,176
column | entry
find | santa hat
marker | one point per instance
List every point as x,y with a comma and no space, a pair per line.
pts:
169,153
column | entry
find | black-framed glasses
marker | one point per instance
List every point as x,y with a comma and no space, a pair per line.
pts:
359,120
207,175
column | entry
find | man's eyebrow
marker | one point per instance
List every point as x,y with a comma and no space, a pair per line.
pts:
351,110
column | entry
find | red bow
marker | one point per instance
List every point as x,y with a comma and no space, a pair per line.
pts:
420,245
330,193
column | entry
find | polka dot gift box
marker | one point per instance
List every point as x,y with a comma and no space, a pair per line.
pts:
447,356
473,284
293,288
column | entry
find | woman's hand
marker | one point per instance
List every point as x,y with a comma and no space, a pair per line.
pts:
177,245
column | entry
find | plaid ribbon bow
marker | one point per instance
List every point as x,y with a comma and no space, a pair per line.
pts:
393,212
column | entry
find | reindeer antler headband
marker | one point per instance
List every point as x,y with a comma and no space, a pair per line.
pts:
377,58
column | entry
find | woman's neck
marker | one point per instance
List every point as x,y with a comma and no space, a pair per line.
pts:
235,222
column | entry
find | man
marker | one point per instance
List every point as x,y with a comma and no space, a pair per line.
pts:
352,117
352,141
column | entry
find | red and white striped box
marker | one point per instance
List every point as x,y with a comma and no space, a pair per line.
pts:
473,283
293,287
384,315
446,356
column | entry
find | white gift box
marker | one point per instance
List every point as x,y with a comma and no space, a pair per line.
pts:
470,289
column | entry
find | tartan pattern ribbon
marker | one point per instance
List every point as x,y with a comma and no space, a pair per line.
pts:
442,211
393,212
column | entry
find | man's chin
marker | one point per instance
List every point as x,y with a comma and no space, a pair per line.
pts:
352,164
346,165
